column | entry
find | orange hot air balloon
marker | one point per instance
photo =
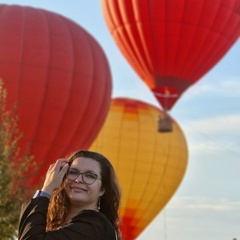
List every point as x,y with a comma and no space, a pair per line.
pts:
171,44
150,166
60,78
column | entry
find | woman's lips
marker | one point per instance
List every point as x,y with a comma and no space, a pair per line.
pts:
78,189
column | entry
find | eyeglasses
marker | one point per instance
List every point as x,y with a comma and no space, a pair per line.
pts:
87,177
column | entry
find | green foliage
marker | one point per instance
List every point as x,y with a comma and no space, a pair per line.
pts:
16,166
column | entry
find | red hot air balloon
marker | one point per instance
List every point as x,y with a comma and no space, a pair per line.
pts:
58,75
172,43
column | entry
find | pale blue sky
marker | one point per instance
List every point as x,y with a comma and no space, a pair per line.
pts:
207,204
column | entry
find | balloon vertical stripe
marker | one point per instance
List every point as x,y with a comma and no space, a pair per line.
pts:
150,165
171,44
60,78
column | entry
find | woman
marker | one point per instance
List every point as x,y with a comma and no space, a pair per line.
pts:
84,204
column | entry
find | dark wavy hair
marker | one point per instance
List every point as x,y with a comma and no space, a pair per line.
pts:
110,201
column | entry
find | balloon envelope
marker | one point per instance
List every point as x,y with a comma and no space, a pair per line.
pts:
172,43
58,75
150,165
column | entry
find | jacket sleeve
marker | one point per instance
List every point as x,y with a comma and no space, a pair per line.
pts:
86,226
33,218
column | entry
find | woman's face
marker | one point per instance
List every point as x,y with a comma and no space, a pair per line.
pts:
82,194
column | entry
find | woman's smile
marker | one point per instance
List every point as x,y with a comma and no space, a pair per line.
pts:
75,188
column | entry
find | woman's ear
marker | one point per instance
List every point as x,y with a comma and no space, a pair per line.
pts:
102,191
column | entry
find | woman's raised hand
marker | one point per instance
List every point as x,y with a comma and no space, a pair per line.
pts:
55,175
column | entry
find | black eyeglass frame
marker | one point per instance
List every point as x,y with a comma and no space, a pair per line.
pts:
82,175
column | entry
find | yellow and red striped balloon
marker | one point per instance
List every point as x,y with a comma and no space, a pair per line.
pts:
150,165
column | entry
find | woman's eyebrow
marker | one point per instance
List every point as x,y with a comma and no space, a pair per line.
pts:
91,171
74,168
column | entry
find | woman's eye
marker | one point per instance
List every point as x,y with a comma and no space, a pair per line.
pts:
73,173
90,175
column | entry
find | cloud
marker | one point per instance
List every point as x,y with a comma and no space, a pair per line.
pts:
197,218
216,125
203,204
216,87
213,132
217,136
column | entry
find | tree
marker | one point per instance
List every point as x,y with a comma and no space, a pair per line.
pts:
16,166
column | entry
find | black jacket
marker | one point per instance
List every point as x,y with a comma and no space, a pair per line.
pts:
86,225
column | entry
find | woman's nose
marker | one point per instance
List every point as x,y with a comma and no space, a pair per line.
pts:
79,178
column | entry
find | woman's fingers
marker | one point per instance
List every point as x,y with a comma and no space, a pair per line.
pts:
58,164
64,163
51,167
55,175
64,169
